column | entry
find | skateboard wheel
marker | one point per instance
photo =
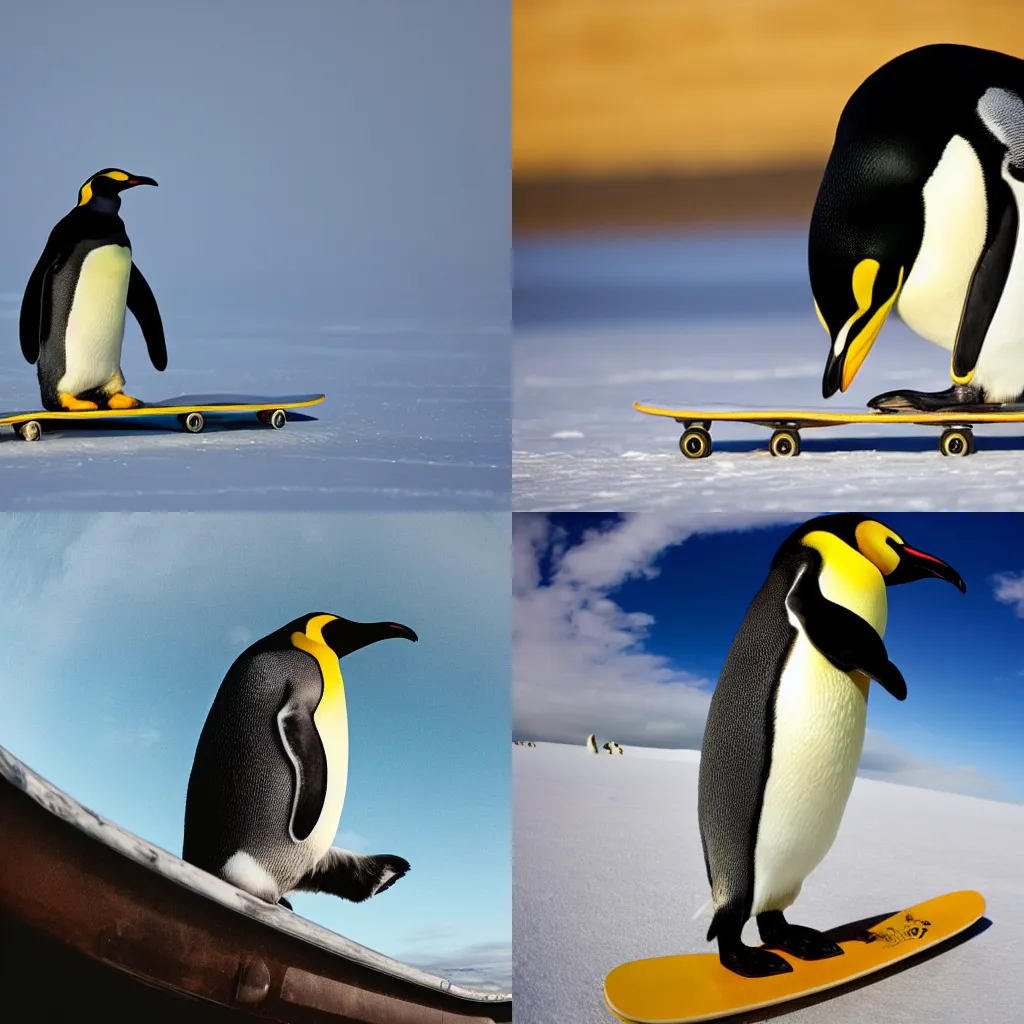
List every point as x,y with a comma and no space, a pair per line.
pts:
193,422
957,441
275,418
785,443
32,430
695,443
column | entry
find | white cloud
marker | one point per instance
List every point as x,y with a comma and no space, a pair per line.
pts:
1008,588
580,661
487,966
882,759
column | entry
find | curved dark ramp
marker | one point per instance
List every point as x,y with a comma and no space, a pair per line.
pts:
88,910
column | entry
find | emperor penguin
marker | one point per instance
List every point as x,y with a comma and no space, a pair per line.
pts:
271,768
919,210
786,723
592,743
73,310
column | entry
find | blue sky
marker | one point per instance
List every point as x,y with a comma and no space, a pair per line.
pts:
623,624
117,630
341,162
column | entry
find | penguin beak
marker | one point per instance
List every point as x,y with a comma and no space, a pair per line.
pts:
916,565
842,367
132,182
344,636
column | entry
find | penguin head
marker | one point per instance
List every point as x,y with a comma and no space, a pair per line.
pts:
881,546
343,636
856,276
108,184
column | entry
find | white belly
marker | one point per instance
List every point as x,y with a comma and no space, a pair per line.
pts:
95,330
819,734
1000,368
955,220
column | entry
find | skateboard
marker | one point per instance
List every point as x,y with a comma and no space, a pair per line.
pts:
191,411
686,989
957,437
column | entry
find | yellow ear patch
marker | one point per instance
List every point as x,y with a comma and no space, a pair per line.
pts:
85,192
314,628
871,540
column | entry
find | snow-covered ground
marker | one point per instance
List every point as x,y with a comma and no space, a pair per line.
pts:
608,868
724,319
413,420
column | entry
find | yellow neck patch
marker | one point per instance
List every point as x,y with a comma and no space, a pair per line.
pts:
332,703
871,539
863,286
850,579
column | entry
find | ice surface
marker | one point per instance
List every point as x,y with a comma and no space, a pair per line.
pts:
414,419
608,868
723,320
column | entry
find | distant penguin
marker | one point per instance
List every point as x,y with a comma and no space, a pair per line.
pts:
786,725
919,210
271,767
592,743
73,310
616,748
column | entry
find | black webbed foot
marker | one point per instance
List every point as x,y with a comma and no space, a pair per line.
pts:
953,398
751,962
803,943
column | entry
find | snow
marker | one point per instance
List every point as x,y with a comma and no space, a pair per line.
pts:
414,418
726,319
608,868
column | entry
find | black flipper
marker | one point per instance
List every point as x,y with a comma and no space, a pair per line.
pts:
143,307
354,876
308,759
843,637
34,323
985,290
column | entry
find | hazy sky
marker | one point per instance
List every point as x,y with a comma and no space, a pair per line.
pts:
117,631
623,624
341,162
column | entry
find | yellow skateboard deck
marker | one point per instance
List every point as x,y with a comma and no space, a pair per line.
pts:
191,411
685,989
957,438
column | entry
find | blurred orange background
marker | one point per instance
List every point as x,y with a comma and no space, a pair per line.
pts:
643,112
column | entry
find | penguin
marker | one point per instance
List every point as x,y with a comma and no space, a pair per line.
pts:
785,727
919,211
592,743
271,767
73,309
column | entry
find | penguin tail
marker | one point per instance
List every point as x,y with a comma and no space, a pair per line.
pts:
353,876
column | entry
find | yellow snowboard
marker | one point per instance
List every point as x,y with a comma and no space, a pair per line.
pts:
683,989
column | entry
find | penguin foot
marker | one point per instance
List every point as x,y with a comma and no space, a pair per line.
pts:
354,876
120,400
73,404
750,962
952,398
803,943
